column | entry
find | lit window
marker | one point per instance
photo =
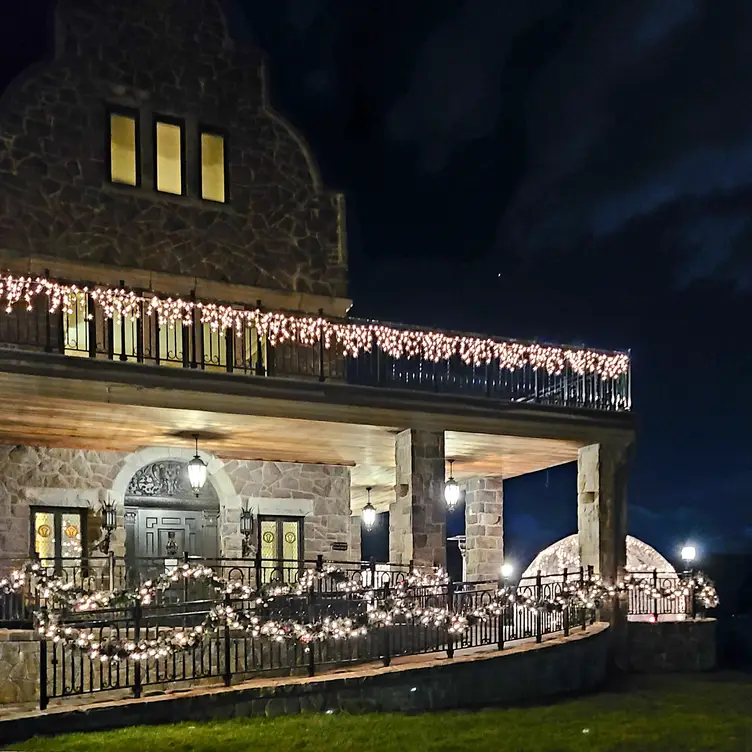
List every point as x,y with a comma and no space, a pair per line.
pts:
59,537
169,149
212,167
76,326
123,149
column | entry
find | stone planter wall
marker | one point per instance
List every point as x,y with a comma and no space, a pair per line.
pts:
671,646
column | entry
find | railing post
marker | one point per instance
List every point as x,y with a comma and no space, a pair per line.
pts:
655,589
450,610
44,699
591,577
186,560
260,368
47,321
322,375
228,668
565,617
257,566
91,328
229,350
136,640
143,321
583,613
123,354
111,569
538,614
692,596
311,620
319,569
387,646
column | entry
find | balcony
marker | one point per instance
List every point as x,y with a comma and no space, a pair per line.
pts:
140,327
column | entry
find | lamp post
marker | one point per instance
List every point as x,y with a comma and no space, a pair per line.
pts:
451,489
369,512
197,471
689,554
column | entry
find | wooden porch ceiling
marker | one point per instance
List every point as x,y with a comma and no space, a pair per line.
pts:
368,449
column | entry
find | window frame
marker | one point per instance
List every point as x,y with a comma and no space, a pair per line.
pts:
213,130
135,114
57,512
180,123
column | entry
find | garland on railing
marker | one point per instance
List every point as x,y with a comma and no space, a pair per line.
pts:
279,327
403,603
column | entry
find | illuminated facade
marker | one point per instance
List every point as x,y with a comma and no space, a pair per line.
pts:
171,265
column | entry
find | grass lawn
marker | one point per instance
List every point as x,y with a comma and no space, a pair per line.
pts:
712,712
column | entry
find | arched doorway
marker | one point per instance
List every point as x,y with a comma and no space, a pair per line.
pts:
165,520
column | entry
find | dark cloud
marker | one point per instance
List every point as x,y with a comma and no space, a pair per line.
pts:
644,109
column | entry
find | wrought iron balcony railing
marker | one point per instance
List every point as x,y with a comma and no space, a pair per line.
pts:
134,327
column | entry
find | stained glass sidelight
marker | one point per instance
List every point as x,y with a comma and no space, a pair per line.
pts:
44,535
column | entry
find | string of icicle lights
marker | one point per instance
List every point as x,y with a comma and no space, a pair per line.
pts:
278,327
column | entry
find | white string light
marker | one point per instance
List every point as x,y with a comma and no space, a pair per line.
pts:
352,338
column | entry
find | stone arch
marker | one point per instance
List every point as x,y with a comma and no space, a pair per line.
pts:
229,500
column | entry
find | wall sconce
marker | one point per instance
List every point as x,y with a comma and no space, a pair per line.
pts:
451,489
109,523
247,526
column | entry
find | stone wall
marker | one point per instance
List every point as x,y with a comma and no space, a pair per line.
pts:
671,646
530,673
176,58
83,478
19,666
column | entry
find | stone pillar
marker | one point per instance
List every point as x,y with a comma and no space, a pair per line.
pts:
484,528
602,509
417,518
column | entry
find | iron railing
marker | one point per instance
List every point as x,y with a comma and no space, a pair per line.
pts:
657,607
231,655
85,331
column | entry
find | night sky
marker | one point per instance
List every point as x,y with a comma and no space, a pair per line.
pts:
576,171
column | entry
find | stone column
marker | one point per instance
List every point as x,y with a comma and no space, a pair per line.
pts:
417,518
602,509
484,528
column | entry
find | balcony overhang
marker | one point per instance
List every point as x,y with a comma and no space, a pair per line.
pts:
55,400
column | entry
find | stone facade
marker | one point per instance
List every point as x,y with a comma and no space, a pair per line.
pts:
417,518
278,229
84,478
484,528
671,646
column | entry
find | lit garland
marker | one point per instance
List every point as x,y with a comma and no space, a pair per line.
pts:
279,328
404,603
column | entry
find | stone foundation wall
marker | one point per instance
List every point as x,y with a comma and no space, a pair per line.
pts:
83,478
671,646
530,673
19,666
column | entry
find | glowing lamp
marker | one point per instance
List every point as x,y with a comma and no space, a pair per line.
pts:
197,471
451,489
369,512
507,570
688,554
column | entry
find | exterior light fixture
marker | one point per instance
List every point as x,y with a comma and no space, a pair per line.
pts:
197,471
109,523
688,554
507,570
369,512
451,489
246,530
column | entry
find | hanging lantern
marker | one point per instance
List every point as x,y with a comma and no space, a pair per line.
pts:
369,512
451,489
197,471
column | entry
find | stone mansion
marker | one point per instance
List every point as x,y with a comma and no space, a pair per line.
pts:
174,286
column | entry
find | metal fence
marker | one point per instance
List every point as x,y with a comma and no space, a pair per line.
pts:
233,655
656,606
85,331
